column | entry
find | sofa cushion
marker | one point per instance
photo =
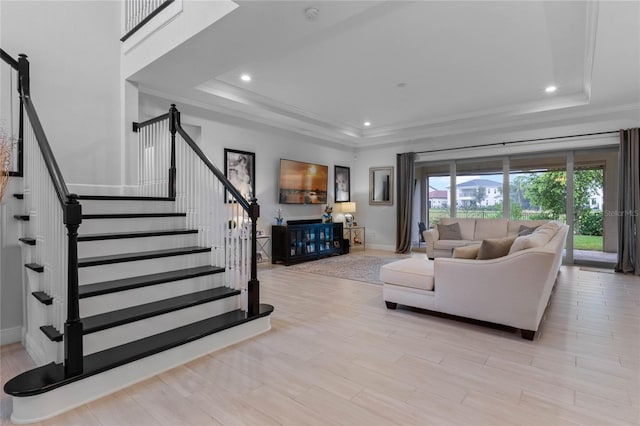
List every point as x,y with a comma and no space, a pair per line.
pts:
467,226
514,225
449,232
493,248
466,252
526,230
413,272
538,238
451,244
490,228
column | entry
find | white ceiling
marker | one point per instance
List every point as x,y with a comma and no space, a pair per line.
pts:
413,69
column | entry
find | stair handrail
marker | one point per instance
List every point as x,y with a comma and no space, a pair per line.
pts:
252,209
72,218
134,20
43,142
8,59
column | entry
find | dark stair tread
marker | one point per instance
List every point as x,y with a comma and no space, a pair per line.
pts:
131,215
143,255
52,333
136,234
21,217
19,196
43,297
29,241
35,267
51,376
124,198
106,287
111,319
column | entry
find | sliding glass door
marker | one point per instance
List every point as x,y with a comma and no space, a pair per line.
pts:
544,186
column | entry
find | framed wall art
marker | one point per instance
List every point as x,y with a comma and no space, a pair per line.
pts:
342,185
240,169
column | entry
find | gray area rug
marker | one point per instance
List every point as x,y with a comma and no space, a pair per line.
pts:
359,267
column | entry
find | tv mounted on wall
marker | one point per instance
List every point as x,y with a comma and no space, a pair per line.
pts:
302,183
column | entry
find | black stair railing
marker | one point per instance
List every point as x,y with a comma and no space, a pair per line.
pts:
162,154
139,12
71,217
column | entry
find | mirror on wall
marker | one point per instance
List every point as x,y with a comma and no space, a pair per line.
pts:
381,185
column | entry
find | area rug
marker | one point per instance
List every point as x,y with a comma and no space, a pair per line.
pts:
352,267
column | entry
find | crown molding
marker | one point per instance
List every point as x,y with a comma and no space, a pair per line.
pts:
217,106
250,100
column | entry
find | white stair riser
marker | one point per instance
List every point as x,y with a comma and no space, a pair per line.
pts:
125,206
41,349
133,245
115,336
138,296
115,271
104,226
32,409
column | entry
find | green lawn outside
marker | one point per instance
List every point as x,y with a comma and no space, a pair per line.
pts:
587,242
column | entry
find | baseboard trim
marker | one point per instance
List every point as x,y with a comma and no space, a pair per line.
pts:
10,335
33,409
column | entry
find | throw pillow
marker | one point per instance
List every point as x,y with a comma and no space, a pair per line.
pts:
449,232
466,252
522,242
495,247
526,230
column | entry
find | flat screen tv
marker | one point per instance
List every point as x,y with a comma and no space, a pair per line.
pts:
302,183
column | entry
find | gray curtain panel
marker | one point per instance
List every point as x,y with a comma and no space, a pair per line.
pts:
406,177
629,202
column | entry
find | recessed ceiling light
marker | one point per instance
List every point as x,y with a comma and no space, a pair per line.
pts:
367,123
245,77
550,89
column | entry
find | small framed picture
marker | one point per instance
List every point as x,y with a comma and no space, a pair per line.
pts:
240,169
342,186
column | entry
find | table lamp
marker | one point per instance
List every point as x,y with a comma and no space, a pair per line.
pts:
348,208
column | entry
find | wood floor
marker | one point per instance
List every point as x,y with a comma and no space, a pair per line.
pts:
336,355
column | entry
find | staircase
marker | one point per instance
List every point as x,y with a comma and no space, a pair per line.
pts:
134,285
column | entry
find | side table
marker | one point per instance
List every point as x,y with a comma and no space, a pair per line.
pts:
356,236
263,252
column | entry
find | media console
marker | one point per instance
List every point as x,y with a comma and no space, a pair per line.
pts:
304,240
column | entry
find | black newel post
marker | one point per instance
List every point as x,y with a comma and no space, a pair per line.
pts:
174,120
23,74
73,326
254,285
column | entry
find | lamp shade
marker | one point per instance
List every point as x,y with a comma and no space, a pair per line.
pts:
348,207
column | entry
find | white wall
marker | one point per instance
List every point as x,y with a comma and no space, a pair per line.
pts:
218,132
173,26
379,220
74,51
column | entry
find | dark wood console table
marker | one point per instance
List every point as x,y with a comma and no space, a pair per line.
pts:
301,241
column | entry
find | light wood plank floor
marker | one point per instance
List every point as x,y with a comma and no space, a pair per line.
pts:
336,355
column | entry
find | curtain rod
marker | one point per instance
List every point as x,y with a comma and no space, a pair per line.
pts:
519,141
